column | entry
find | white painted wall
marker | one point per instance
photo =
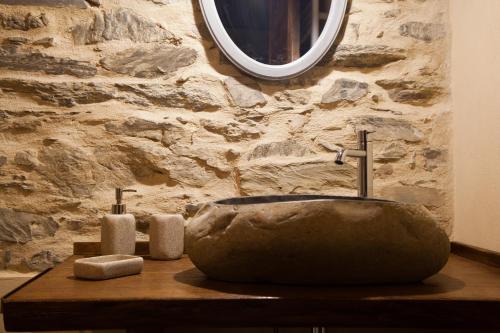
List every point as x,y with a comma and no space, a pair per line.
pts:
476,125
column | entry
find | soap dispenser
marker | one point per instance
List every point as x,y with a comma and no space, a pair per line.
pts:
118,228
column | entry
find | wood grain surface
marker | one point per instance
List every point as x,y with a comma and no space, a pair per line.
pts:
174,293
484,256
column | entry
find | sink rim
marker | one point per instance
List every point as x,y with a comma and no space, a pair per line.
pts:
290,198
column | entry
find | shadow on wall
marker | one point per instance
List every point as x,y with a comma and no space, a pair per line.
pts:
223,65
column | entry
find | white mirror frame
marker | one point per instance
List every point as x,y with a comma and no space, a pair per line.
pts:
274,72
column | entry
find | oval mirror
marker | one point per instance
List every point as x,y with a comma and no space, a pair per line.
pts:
274,39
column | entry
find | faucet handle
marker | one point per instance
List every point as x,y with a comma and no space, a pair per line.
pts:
363,135
360,132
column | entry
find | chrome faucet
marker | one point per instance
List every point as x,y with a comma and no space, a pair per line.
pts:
364,153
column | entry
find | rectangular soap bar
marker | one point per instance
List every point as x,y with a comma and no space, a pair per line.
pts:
107,267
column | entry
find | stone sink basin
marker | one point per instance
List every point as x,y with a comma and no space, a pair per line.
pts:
316,239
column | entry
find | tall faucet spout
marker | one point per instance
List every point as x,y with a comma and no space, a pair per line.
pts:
365,166
364,153
343,153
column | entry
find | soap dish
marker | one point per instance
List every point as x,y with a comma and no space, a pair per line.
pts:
107,267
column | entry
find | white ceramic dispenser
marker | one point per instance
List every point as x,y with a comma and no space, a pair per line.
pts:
166,236
118,228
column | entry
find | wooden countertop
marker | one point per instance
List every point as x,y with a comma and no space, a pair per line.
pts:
465,294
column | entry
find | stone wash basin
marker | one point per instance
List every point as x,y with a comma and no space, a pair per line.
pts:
316,239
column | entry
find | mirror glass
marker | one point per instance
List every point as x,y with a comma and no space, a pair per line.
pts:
274,39
274,32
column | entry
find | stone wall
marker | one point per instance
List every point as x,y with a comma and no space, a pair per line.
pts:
134,93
